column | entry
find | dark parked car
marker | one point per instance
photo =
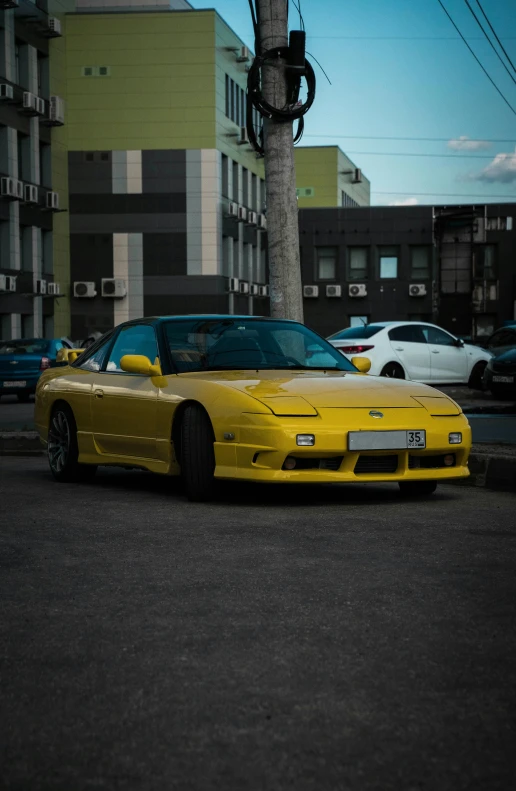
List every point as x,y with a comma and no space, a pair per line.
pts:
22,362
500,372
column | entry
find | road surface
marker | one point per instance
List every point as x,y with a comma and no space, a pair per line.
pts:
323,638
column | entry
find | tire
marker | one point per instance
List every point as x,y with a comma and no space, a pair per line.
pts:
477,376
417,488
393,371
63,450
24,398
197,454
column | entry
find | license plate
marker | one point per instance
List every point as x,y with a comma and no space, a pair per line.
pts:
508,379
386,440
15,384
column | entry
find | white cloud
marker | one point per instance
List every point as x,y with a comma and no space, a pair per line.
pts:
406,202
463,143
502,169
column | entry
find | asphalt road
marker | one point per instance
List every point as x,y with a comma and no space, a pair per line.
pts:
280,638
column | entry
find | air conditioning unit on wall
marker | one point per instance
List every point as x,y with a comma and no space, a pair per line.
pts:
7,283
30,193
243,287
333,291
56,111
252,218
242,214
243,138
84,289
243,55
232,210
417,290
253,290
113,287
310,292
263,291
6,92
357,290
40,287
54,27
262,222
54,289
233,286
52,201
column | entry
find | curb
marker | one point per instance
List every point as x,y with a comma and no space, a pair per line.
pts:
491,470
20,443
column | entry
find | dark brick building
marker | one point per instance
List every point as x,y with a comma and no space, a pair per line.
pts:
455,266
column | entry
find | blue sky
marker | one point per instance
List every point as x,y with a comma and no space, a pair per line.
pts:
399,69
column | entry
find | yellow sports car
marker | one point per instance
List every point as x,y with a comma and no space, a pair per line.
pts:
247,398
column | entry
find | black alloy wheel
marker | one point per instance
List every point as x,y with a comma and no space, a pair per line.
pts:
393,371
476,378
63,450
417,488
197,454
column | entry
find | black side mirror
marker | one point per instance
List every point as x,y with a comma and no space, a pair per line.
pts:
459,342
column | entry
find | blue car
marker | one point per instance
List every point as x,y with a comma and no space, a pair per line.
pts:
22,361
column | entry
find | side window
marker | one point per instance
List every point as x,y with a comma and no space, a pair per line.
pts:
93,359
410,333
137,339
437,336
503,338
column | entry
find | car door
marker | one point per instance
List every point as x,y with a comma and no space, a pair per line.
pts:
124,405
448,359
409,345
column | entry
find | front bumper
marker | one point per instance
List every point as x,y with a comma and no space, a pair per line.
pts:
262,443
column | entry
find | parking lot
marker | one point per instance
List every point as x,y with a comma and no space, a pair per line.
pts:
323,638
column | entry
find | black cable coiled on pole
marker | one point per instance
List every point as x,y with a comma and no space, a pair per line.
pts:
297,67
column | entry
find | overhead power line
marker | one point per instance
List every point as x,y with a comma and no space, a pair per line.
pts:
477,60
443,194
422,139
404,38
479,23
408,154
496,37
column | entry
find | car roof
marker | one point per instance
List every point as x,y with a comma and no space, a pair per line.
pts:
205,316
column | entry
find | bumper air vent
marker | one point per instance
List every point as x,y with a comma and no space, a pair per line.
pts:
370,464
429,462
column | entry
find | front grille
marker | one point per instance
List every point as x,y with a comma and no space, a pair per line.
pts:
311,463
429,462
367,464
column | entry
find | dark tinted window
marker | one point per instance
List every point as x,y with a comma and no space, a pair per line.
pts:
437,336
410,333
357,332
135,339
225,344
503,338
25,346
93,358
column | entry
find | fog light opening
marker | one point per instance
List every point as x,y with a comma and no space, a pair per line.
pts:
449,460
455,438
290,463
305,439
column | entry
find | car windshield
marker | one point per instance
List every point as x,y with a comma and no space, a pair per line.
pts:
234,344
366,331
24,346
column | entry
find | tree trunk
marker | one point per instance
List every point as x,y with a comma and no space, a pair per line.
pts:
280,177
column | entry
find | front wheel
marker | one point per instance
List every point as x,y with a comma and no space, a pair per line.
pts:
63,450
197,454
417,488
393,371
477,376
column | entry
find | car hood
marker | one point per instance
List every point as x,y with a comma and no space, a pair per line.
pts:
507,357
320,389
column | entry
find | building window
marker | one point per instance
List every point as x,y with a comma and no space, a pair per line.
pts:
388,257
235,182
485,262
225,176
45,165
104,71
326,263
420,258
43,76
235,102
358,321
358,263
245,187
347,201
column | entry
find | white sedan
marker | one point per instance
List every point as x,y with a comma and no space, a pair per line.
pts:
414,350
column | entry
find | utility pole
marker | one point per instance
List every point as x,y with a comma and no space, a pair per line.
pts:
280,176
